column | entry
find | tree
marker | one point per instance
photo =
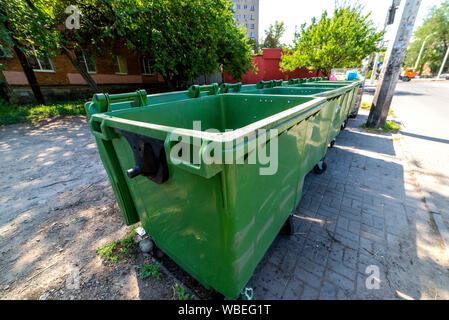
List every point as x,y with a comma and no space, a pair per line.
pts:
273,35
20,29
181,39
184,39
435,30
340,41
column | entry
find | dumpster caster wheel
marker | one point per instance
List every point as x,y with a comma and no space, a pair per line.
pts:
219,297
288,227
344,125
332,143
320,167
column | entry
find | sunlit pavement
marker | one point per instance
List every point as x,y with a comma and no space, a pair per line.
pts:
423,109
362,230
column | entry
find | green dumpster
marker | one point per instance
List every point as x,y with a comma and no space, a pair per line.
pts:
347,100
328,121
211,218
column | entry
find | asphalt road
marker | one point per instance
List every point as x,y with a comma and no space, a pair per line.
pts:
423,108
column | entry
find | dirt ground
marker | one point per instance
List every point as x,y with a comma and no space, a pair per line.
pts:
56,208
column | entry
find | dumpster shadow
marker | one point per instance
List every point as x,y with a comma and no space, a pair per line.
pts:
364,213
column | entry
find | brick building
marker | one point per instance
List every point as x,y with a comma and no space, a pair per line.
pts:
118,71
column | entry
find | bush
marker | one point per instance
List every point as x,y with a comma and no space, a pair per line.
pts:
11,114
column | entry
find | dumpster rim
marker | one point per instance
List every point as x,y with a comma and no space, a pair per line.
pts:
110,119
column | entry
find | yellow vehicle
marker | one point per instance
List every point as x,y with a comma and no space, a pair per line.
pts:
408,74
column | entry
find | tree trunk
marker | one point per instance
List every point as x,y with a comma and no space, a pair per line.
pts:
29,73
86,76
169,83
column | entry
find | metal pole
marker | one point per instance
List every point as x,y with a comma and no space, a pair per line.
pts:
421,51
444,62
393,62
376,62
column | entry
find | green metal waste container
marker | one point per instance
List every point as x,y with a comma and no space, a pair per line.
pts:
212,219
328,122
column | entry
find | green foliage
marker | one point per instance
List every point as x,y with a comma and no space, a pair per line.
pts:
117,249
179,293
273,35
11,114
181,39
436,29
151,269
390,126
339,41
22,26
184,39
108,251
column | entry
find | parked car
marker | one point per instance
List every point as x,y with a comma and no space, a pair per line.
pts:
408,74
445,76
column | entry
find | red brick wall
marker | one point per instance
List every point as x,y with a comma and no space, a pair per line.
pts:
65,73
268,69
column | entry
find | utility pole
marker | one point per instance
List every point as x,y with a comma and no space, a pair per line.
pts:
388,21
444,62
393,62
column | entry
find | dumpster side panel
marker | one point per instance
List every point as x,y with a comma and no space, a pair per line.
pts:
184,216
259,213
118,181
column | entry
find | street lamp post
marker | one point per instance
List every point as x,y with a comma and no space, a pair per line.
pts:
421,51
442,65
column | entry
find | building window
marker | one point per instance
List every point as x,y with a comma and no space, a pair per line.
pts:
252,25
252,8
146,69
40,61
246,25
238,7
120,66
245,16
252,35
86,61
245,6
252,17
238,17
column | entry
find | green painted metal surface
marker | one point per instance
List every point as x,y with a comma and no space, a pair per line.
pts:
214,220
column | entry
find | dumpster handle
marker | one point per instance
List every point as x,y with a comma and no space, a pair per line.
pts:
195,90
269,84
103,101
224,88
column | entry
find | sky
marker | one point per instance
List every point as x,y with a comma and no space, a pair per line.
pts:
297,12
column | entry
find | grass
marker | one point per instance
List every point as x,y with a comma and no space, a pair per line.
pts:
117,250
390,126
367,107
11,114
179,293
148,270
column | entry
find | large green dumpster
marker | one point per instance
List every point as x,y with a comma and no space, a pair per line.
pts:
213,219
347,101
354,94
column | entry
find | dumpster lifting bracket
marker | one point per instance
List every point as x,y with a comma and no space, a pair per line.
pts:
149,157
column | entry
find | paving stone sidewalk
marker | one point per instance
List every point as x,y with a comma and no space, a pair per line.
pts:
364,214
